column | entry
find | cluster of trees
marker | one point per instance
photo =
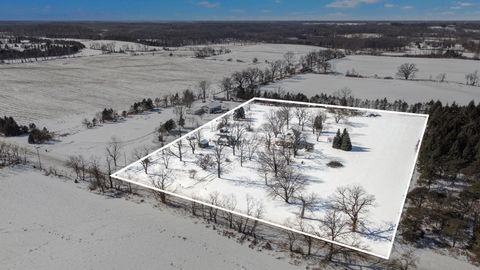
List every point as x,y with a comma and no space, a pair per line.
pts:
208,51
445,205
37,135
40,48
144,105
342,141
11,154
473,78
245,83
9,127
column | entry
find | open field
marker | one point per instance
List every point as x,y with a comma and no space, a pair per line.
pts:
429,68
56,88
381,162
369,88
64,226
59,93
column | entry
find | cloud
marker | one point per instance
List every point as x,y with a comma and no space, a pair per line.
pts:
389,5
349,3
208,4
407,7
460,5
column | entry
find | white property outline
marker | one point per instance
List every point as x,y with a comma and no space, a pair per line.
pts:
115,175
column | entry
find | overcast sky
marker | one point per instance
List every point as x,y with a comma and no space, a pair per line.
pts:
239,10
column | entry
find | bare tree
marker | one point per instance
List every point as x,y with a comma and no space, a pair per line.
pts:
289,58
113,150
77,164
302,115
286,114
193,143
354,201
219,157
472,78
407,71
270,159
441,77
145,164
179,150
305,228
274,122
96,175
108,161
226,85
213,200
203,86
141,153
287,183
275,69
255,209
317,125
236,134
308,201
339,114
229,202
165,156
161,180
251,145
292,237
332,226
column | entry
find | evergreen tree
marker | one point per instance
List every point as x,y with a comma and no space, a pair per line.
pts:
337,140
239,113
318,125
346,143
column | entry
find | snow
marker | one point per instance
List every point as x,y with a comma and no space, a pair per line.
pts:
73,86
382,161
369,88
429,68
134,132
48,223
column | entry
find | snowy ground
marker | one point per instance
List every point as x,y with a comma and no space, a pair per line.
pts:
72,86
133,133
369,88
48,223
429,68
382,160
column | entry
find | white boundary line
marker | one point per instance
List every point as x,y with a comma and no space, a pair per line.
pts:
115,175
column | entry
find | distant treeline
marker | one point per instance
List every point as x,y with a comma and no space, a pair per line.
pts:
38,48
387,35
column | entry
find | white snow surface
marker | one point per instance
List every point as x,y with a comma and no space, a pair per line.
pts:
382,160
370,88
48,223
30,92
429,68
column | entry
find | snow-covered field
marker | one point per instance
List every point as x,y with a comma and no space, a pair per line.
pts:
369,88
381,161
48,223
429,68
134,133
72,86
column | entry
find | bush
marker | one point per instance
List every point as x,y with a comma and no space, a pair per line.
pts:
334,164
205,161
39,136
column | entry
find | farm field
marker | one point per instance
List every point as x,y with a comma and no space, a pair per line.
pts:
56,88
429,68
369,88
64,226
381,162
